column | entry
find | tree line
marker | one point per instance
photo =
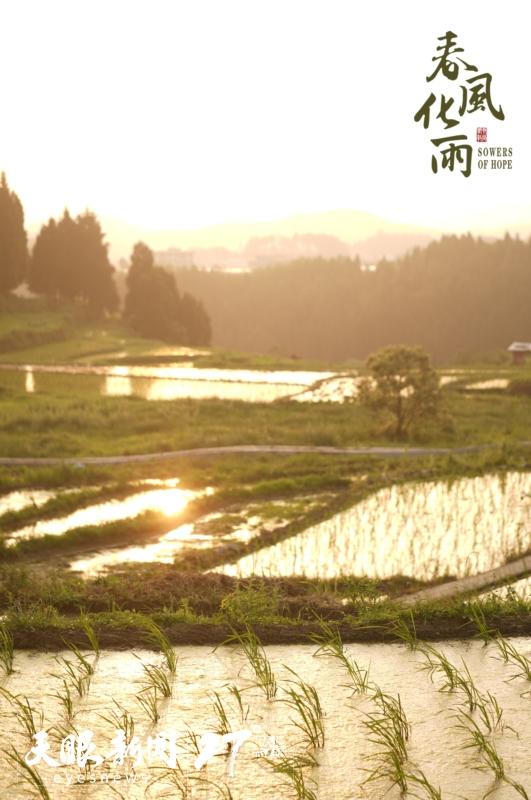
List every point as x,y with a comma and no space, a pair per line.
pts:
69,262
460,296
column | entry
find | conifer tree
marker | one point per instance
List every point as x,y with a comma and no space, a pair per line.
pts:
13,239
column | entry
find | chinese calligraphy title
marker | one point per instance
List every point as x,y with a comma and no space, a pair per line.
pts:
474,95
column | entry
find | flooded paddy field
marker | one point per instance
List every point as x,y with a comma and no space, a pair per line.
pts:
208,531
183,379
177,381
311,728
425,530
167,499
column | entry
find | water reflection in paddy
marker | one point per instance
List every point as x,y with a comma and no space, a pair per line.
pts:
168,500
174,381
15,501
199,535
493,383
421,530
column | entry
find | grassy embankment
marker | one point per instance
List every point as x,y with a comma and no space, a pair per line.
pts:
201,609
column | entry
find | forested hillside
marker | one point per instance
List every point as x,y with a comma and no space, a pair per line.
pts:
459,295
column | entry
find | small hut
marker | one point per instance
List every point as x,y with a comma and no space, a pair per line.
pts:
520,351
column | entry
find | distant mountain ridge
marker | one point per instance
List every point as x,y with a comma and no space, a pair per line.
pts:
263,251
233,245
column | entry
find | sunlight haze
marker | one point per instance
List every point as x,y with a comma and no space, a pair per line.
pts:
180,116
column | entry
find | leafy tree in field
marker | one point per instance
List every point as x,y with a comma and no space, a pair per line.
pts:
402,383
153,306
70,262
13,239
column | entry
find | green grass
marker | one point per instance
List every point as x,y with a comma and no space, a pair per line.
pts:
81,340
70,418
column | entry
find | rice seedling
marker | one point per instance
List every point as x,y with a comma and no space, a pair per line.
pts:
79,680
66,700
510,655
389,730
158,638
253,650
304,700
148,701
491,714
436,662
190,742
31,721
490,758
452,678
176,778
221,715
7,650
466,685
331,644
391,761
120,719
61,731
430,791
222,790
28,773
292,768
83,663
155,678
237,694
392,707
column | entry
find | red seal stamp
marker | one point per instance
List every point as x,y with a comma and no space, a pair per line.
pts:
481,135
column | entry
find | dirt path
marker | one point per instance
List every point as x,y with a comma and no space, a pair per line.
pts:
511,571
253,449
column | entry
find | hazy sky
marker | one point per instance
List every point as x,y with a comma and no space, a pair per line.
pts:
187,113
